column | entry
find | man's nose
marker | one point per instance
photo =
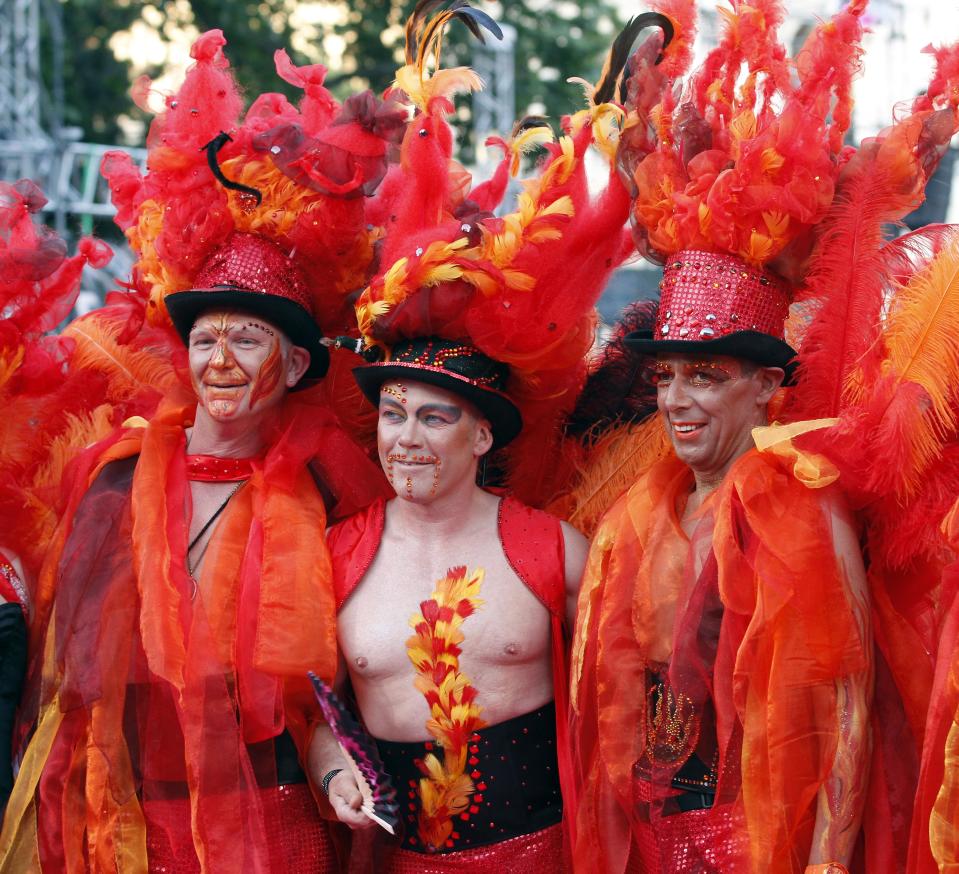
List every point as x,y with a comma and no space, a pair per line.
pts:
410,432
677,398
221,355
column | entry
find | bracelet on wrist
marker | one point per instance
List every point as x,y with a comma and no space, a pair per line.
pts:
328,778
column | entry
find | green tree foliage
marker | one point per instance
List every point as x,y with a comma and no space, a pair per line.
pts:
96,85
555,39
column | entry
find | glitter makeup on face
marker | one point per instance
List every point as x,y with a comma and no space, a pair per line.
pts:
268,376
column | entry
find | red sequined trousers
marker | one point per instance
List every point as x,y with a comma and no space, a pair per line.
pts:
695,842
537,853
297,837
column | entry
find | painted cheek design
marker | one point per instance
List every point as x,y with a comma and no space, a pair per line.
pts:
268,376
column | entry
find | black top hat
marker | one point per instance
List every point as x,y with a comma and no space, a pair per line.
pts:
455,366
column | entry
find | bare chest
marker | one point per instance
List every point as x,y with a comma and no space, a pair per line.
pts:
511,626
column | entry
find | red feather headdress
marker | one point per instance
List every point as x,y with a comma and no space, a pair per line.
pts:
518,289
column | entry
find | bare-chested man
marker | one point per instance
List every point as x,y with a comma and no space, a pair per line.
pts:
499,794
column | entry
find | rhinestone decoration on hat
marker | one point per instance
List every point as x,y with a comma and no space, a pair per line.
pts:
252,263
706,295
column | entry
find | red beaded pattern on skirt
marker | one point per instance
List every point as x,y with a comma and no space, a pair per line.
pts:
535,853
297,838
705,295
711,841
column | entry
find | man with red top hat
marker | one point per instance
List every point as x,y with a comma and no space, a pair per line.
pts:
190,580
721,675
745,692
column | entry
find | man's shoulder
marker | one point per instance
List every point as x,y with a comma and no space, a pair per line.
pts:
356,524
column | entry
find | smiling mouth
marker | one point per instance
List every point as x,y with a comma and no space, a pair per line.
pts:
686,429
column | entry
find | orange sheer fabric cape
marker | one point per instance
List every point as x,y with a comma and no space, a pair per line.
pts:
768,658
148,692
935,844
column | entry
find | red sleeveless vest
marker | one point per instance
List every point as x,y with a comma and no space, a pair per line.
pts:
532,542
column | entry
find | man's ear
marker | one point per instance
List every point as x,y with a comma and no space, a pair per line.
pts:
484,438
770,380
297,365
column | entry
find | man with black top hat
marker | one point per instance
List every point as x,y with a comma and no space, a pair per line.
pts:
191,577
442,409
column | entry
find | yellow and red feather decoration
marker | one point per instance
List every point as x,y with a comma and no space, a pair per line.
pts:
434,649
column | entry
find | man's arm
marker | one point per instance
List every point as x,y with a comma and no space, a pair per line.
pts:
577,548
842,796
324,756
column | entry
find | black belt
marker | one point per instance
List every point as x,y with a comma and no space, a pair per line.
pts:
517,783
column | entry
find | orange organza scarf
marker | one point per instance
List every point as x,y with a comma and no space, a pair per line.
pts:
228,668
787,633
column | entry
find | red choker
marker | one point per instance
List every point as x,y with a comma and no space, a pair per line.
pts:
214,469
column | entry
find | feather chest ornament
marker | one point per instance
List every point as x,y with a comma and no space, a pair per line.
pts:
447,786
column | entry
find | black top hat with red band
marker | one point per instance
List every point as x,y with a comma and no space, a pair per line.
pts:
452,365
253,274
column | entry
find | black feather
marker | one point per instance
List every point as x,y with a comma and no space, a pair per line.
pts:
528,122
622,48
212,148
414,25
618,389
475,20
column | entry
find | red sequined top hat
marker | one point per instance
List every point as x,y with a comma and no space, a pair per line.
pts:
255,275
719,305
227,215
730,180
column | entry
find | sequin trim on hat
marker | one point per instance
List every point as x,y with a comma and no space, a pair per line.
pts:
251,263
706,295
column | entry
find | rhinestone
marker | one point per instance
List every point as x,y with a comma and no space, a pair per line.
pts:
734,318
275,150
706,332
466,228
683,332
669,314
710,317
423,132
419,251
664,329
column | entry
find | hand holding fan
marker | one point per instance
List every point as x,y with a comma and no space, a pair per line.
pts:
359,749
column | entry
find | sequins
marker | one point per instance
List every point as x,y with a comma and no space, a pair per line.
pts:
534,853
706,841
717,291
294,831
252,263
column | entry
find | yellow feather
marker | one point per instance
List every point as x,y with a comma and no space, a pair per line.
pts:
923,348
129,370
